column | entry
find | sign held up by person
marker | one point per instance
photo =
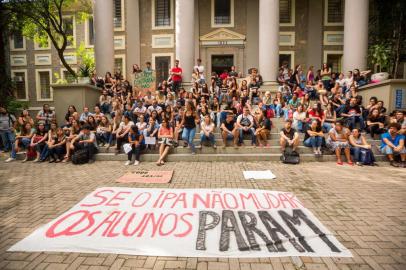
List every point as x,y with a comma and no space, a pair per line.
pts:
187,222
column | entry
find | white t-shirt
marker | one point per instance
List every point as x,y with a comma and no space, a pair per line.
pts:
200,68
123,126
143,109
241,117
158,109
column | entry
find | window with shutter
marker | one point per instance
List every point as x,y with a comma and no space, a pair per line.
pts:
162,13
68,23
285,11
90,31
118,20
44,84
335,11
162,66
18,41
20,85
222,11
118,64
68,76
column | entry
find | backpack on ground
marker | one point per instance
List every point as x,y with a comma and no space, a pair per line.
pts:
365,157
80,156
290,157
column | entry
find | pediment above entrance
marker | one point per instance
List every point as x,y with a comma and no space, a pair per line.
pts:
222,36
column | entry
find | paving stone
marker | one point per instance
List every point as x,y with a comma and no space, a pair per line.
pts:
349,204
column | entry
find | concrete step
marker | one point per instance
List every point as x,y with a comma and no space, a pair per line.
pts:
221,157
230,149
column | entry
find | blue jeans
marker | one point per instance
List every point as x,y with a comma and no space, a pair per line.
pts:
188,135
223,116
8,138
103,137
251,131
57,152
136,151
286,113
314,142
24,142
352,121
356,153
278,109
211,138
44,153
326,127
340,109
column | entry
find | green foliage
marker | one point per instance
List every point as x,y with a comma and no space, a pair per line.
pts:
14,106
59,80
43,20
381,54
87,62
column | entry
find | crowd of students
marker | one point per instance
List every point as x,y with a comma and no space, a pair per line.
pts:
325,106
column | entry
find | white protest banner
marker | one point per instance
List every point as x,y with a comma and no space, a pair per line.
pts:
187,223
258,175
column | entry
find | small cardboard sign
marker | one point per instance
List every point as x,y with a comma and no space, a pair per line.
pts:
157,177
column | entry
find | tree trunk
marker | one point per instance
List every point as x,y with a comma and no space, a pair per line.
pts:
397,49
65,64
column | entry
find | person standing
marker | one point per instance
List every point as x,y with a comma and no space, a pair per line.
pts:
7,134
189,120
176,77
200,70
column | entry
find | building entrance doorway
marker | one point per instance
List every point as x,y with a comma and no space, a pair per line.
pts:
222,62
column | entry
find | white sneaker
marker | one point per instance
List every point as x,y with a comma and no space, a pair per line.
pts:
128,162
10,159
136,163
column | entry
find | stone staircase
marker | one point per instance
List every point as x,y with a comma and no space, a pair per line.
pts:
243,153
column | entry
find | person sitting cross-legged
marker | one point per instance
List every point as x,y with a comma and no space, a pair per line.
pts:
289,137
85,140
338,140
393,144
229,130
245,125
314,136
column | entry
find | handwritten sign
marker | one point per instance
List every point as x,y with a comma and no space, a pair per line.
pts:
189,223
146,177
145,81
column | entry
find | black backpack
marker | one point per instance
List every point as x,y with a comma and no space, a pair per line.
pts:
290,157
80,156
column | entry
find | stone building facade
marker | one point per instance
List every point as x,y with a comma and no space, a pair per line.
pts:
243,33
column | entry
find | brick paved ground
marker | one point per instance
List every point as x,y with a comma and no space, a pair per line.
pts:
363,207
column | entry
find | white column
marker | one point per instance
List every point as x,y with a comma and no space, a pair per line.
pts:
185,37
268,39
355,34
103,33
133,35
